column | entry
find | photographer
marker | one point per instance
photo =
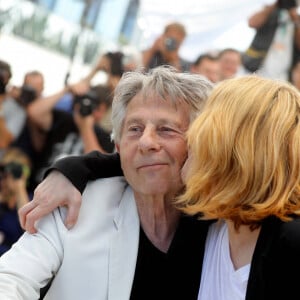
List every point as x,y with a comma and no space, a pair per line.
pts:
12,115
276,44
31,138
70,134
31,89
165,49
14,172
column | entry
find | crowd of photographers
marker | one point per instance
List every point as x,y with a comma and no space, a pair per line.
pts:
36,130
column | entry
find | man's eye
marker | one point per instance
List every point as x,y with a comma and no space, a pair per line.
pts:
134,129
166,129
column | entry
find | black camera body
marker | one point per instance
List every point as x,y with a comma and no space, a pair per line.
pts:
13,168
27,94
171,44
87,103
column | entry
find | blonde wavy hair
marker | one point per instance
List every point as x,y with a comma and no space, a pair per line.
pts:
245,153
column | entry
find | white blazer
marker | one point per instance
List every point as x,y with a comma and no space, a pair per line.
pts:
94,260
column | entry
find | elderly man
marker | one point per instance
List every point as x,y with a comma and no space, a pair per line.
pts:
129,242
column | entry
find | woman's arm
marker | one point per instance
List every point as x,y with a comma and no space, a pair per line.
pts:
63,185
259,18
80,169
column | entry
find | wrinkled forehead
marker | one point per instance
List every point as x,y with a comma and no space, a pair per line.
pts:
155,106
148,95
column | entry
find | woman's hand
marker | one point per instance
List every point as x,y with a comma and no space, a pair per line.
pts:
54,191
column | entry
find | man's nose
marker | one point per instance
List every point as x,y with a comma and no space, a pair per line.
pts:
149,140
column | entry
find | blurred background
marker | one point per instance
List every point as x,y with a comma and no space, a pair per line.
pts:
66,36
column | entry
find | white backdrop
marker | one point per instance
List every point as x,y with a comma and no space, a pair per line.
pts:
211,24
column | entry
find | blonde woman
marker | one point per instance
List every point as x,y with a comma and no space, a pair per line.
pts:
244,170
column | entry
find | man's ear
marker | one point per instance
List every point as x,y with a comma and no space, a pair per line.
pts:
118,148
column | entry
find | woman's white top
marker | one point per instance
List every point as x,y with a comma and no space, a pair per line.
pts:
219,280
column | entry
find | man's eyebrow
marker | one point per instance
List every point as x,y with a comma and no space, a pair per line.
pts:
133,120
159,121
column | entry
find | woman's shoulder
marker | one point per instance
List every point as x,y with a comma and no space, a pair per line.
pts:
287,232
194,224
291,229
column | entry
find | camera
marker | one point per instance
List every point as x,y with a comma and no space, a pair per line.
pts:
27,94
87,103
171,44
13,168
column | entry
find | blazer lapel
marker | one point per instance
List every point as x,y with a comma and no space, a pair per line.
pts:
261,258
124,249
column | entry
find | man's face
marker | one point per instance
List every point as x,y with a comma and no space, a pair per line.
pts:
208,68
36,82
176,37
229,64
153,146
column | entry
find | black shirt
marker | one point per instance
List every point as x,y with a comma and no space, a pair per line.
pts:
171,275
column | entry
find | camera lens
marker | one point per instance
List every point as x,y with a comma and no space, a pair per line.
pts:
86,107
15,169
171,44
